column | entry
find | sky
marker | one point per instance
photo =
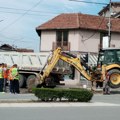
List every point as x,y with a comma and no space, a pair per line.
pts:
19,18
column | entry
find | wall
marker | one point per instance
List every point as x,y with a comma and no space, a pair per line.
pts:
47,39
79,40
74,40
115,39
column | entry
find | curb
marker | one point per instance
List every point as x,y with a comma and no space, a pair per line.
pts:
69,104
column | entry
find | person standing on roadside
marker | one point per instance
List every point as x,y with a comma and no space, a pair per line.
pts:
1,78
15,76
10,78
5,75
106,88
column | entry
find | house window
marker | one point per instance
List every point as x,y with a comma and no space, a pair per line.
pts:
104,40
62,38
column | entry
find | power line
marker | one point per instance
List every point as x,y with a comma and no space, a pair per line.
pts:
21,15
89,2
95,31
27,13
16,9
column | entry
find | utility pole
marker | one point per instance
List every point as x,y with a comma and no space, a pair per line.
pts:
109,25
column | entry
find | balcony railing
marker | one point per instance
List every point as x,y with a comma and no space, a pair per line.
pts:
64,45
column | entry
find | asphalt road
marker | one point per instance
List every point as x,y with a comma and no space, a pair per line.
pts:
101,107
61,113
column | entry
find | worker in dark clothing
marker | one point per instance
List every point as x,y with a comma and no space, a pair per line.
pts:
15,76
106,88
1,78
10,78
5,75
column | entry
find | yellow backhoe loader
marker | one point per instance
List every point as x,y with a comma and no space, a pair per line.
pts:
108,61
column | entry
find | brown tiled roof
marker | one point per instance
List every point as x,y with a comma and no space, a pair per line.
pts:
24,50
8,47
80,21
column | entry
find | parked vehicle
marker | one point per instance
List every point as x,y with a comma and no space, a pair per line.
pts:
28,63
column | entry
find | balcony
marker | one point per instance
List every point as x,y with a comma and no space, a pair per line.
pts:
64,45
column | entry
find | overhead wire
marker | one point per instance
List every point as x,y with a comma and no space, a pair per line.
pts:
83,40
35,11
28,13
30,10
89,2
12,23
96,28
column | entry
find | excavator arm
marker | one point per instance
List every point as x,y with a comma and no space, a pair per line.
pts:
71,59
76,63
50,64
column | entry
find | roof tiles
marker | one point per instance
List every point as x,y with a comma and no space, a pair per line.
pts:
80,21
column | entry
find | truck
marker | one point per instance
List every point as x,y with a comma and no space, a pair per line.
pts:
108,61
29,64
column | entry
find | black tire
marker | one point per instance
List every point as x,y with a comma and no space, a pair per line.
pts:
22,81
114,80
49,82
30,82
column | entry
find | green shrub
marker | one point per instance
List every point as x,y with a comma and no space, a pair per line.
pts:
48,94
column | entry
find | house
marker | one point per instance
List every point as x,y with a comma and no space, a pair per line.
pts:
7,47
78,32
115,10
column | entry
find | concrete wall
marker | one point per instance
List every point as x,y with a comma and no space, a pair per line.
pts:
47,39
76,38
81,40
115,40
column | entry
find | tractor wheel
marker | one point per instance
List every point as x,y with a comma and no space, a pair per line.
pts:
114,80
49,82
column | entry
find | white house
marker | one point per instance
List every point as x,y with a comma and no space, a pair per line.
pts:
78,32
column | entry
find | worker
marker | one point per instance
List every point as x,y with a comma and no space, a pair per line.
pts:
5,75
106,88
1,78
10,79
15,76
98,71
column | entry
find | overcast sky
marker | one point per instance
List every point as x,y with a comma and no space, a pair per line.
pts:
19,18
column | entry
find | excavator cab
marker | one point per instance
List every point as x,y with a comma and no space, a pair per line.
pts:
109,56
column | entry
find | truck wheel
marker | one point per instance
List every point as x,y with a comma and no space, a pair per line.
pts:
22,81
114,80
30,82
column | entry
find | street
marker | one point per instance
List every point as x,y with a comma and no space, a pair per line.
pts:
101,107
61,113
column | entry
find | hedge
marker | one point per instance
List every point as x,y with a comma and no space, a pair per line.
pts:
72,95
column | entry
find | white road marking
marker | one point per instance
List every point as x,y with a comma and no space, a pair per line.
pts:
69,104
